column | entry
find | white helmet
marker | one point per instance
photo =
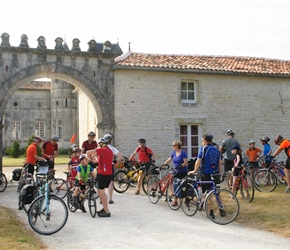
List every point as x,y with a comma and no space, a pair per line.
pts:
251,141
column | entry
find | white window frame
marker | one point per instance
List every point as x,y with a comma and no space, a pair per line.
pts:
40,129
189,137
15,130
187,92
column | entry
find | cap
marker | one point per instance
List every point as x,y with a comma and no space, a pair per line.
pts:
235,147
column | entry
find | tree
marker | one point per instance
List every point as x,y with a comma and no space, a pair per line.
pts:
15,150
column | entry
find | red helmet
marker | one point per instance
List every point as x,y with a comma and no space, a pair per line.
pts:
37,139
278,138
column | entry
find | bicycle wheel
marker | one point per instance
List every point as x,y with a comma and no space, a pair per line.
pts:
59,187
189,204
154,193
170,197
3,182
145,183
121,181
223,207
247,188
44,222
280,174
265,180
70,202
92,204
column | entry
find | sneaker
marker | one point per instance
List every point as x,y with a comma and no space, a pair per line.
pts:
83,209
111,202
137,192
101,211
222,213
287,190
211,215
20,208
104,214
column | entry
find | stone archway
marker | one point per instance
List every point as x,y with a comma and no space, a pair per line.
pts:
89,71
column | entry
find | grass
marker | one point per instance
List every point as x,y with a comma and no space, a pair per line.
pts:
14,235
18,162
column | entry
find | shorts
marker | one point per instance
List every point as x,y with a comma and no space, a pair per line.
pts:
228,165
93,165
253,164
207,186
103,181
77,184
30,168
287,164
113,168
236,171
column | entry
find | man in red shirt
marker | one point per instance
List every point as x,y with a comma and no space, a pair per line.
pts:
50,151
145,154
284,145
105,158
90,144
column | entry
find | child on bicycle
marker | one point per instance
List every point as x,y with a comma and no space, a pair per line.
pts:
253,153
74,162
238,161
84,170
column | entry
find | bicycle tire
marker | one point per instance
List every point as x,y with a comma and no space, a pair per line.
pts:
189,204
47,224
170,197
224,200
59,187
247,189
280,177
92,204
121,181
154,193
145,184
3,182
70,202
265,181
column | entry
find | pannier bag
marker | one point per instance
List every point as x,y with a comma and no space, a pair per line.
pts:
27,193
16,173
180,187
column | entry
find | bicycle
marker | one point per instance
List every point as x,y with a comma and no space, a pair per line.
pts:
123,179
88,193
158,187
47,213
246,185
69,180
3,182
221,205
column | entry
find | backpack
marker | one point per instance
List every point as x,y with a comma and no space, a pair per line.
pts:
208,150
148,155
180,187
27,193
16,173
191,163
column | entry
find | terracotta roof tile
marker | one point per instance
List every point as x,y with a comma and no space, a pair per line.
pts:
229,64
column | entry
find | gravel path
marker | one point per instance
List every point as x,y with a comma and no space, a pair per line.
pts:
135,223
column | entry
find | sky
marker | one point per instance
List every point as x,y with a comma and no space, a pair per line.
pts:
190,27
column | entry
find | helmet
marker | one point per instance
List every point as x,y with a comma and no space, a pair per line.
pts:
230,132
37,139
251,141
102,140
54,138
278,138
108,137
235,147
73,146
142,140
265,138
82,156
92,134
76,149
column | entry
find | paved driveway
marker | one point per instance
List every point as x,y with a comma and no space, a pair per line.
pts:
135,223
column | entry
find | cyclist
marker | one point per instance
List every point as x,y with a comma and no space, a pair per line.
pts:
105,158
50,151
74,161
209,159
284,145
225,148
145,154
117,158
267,150
90,144
84,170
253,153
238,161
180,160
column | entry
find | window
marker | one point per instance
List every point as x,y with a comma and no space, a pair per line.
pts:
189,137
39,129
188,92
15,130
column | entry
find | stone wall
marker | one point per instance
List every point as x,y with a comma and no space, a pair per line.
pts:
147,104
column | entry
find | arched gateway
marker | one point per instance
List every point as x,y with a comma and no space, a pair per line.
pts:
89,71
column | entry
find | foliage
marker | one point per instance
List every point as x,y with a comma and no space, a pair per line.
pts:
15,151
63,151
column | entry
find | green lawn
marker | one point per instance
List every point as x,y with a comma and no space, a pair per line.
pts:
10,162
